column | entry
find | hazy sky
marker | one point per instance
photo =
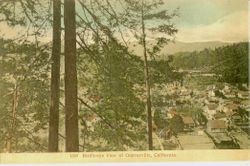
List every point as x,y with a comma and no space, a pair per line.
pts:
206,20
200,20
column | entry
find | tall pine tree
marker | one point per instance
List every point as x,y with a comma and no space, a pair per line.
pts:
71,107
55,78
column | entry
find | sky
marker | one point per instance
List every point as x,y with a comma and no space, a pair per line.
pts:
199,20
211,20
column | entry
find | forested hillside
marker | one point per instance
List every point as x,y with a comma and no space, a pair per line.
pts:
110,93
230,62
85,91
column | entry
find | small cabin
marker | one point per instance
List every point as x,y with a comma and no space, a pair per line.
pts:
230,107
220,116
236,118
189,123
216,126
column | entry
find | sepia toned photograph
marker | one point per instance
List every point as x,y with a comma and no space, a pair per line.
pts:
148,79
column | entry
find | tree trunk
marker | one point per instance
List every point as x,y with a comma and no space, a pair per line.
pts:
8,142
147,83
11,132
71,121
55,78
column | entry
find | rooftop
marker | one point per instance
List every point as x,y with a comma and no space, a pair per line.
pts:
188,120
212,106
217,124
220,115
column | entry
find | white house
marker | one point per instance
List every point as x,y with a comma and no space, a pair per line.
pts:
243,94
210,110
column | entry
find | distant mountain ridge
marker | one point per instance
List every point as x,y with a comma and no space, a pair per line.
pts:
178,46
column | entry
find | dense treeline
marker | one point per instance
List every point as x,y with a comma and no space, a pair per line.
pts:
229,62
194,60
232,64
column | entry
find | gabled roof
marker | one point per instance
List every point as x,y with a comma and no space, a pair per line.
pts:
232,106
220,115
217,124
236,114
187,120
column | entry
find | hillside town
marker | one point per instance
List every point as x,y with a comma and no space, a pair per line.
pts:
123,75
220,122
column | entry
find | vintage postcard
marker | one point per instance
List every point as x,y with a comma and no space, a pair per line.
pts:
124,81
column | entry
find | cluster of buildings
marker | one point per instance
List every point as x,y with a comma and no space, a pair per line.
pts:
223,109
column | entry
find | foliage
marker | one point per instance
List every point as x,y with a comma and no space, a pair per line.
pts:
113,76
111,94
233,64
230,63
160,119
110,78
176,124
24,70
162,72
194,60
